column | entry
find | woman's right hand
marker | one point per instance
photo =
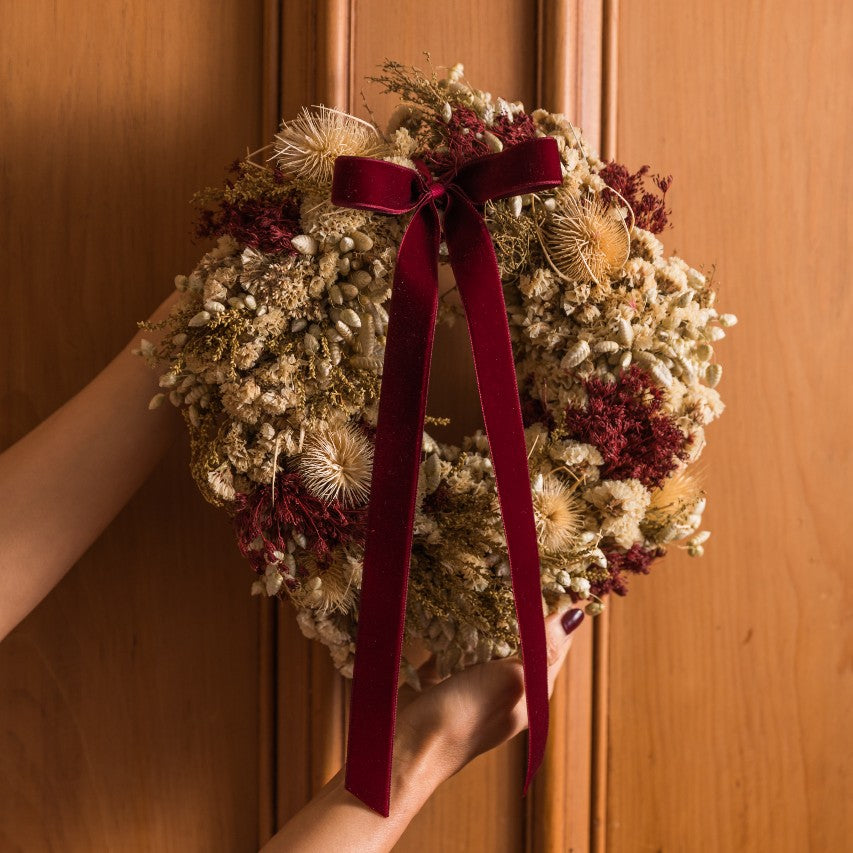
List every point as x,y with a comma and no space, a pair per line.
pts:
457,718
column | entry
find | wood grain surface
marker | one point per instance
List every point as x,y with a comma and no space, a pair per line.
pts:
128,699
730,687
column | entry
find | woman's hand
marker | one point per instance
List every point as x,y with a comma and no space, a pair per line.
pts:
462,716
439,730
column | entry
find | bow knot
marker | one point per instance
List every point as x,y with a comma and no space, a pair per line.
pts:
386,187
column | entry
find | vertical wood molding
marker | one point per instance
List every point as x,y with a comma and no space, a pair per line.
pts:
570,51
268,616
601,654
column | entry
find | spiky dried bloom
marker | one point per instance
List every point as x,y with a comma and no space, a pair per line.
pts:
336,464
585,239
558,513
681,491
307,146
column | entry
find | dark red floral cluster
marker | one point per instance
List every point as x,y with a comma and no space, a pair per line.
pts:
636,559
649,208
463,144
460,141
512,131
533,410
625,421
266,226
293,508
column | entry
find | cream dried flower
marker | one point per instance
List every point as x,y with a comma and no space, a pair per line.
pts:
307,146
585,239
336,464
558,514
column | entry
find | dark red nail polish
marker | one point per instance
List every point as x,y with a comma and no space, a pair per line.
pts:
571,619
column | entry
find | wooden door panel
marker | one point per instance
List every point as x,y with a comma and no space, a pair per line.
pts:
730,677
128,698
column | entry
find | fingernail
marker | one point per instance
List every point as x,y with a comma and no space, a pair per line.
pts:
571,619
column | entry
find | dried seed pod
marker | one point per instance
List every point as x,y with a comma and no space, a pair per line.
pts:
492,141
704,351
366,334
352,319
661,372
577,353
363,242
713,374
305,244
624,332
310,343
343,330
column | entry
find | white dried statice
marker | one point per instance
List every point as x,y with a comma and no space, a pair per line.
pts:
622,506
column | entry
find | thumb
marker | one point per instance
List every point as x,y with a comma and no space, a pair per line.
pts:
559,627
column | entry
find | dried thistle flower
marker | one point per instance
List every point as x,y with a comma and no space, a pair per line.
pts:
584,239
307,146
681,490
336,464
558,514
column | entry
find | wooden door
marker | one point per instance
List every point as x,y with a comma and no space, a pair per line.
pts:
128,698
730,677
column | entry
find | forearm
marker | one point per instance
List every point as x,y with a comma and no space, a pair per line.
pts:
336,820
63,483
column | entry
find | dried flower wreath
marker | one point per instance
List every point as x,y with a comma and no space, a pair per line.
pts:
275,355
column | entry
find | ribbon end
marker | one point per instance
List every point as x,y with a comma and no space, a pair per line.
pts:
377,801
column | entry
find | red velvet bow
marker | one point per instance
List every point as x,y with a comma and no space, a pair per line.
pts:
378,185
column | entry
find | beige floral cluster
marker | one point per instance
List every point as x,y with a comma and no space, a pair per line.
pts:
275,361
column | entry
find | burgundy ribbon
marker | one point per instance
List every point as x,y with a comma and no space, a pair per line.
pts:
378,185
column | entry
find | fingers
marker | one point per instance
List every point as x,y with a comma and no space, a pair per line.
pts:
558,636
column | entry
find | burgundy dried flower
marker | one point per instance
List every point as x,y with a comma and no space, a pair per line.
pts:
649,208
294,509
460,141
625,421
267,226
511,132
636,559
